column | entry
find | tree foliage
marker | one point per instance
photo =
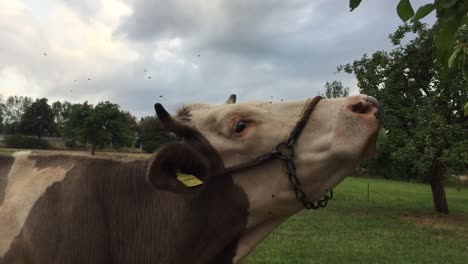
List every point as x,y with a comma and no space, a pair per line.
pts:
2,114
14,108
452,19
38,119
101,125
61,110
152,135
426,130
24,142
335,89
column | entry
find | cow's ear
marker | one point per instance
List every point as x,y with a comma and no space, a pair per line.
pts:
177,167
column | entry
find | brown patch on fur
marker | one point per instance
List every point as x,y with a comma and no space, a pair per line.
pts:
184,114
26,184
5,166
456,223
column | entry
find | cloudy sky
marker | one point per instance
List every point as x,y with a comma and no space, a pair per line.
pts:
131,52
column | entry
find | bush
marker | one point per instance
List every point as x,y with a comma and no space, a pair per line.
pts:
150,146
72,144
17,141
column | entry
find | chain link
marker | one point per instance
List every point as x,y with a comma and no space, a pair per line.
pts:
285,152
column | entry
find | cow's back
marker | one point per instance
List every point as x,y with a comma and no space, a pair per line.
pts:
38,212
65,209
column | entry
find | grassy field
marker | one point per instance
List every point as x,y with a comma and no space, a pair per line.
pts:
396,225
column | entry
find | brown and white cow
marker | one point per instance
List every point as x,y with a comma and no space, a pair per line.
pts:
66,209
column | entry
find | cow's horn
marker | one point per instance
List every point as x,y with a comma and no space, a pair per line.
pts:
232,99
190,134
172,124
161,112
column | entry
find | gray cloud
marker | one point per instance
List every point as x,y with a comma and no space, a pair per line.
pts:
303,41
205,50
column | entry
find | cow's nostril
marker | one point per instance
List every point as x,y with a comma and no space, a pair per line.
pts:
361,108
357,107
364,105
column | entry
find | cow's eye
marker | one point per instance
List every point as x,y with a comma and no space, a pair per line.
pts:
240,126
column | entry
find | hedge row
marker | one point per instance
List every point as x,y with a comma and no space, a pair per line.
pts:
18,141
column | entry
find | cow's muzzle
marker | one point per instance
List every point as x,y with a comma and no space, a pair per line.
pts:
366,105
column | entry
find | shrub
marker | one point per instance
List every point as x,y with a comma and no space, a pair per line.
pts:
150,146
18,141
72,144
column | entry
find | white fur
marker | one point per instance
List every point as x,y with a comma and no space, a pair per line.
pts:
26,184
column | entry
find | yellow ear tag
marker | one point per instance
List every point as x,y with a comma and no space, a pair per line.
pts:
188,180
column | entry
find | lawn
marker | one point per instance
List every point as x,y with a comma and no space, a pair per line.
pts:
396,225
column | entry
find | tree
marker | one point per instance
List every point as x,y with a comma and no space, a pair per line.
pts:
427,134
38,119
152,135
336,89
132,125
61,111
2,114
13,110
98,125
452,18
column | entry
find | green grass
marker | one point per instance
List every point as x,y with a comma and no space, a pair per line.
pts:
397,225
6,151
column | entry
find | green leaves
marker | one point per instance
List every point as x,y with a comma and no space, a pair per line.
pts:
422,12
100,125
336,89
446,27
38,119
454,55
353,4
451,16
447,3
405,10
422,105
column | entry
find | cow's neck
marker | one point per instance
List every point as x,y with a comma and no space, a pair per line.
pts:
192,214
253,236
268,190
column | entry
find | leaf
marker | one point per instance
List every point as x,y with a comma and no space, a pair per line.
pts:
466,109
447,26
447,3
453,57
465,67
465,20
423,11
405,10
353,4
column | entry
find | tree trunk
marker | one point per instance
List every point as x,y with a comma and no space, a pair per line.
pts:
93,149
437,186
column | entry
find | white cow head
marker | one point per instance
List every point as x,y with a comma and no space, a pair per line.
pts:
338,135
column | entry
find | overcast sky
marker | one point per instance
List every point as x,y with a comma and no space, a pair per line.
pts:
134,51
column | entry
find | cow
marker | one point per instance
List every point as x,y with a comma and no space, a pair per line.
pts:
238,172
